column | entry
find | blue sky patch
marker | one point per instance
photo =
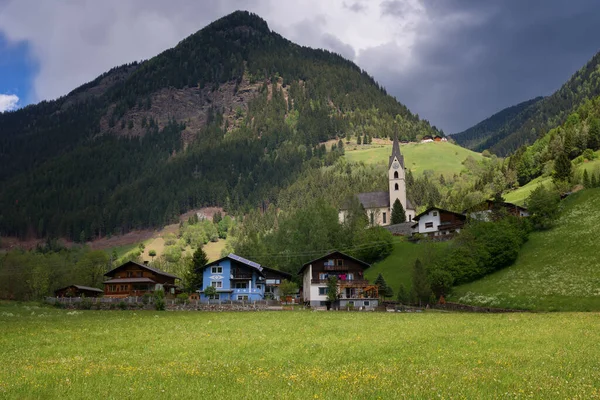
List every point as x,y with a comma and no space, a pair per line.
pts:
16,70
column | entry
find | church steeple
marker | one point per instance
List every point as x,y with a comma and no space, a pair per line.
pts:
396,153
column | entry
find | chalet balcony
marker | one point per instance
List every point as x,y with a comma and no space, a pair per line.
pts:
341,283
241,276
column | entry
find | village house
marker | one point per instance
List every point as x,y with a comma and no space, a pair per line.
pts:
134,279
484,210
78,291
234,278
353,289
436,221
378,205
273,279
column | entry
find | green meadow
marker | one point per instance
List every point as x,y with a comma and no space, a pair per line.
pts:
557,269
51,353
397,267
441,157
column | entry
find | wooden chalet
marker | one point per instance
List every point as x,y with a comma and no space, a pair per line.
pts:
273,279
436,221
354,290
78,291
482,211
134,279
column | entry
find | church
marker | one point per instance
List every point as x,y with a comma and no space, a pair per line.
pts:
378,205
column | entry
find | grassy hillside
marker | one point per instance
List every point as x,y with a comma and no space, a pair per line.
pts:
520,195
557,269
442,158
397,267
50,353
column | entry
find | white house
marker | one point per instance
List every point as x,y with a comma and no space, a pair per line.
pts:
438,222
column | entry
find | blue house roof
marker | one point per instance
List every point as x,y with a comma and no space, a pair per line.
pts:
239,259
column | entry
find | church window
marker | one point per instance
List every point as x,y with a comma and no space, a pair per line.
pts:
396,186
372,219
395,174
384,218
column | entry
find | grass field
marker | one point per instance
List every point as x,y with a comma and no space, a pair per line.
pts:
397,267
442,158
558,269
50,353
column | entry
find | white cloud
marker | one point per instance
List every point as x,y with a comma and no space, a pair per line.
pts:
75,41
8,102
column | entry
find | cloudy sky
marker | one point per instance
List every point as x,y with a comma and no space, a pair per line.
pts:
454,62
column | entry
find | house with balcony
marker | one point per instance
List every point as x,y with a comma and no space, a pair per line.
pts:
234,278
353,289
273,279
133,279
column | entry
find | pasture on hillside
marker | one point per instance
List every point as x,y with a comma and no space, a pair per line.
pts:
557,269
441,157
520,195
51,353
397,267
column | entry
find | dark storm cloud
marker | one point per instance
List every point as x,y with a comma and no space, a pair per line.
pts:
474,58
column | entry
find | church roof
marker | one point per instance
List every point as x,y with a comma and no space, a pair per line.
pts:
396,153
374,199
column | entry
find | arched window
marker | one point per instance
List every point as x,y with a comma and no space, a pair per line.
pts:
395,174
396,186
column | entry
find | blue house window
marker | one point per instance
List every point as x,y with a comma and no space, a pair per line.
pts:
243,297
216,284
217,270
322,291
241,285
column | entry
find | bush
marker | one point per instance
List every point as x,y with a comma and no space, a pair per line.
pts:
159,304
123,305
146,298
59,305
85,304
182,298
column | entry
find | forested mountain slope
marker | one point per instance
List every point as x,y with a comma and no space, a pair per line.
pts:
538,118
228,117
474,136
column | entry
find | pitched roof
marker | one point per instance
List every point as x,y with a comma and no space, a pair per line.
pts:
149,268
130,280
441,210
396,153
239,259
400,229
374,199
91,289
364,264
276,271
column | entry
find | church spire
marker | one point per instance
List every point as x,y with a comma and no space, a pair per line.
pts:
396,152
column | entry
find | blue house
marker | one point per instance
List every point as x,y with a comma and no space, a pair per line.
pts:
235,278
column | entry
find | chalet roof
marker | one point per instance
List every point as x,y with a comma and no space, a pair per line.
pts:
396,153
487,203
404,228
130,280
144,266
79,287
239,259
441,210
276,271
339,253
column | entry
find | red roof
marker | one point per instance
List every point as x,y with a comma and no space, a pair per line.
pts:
130,280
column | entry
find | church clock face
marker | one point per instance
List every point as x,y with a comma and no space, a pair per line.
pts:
395,165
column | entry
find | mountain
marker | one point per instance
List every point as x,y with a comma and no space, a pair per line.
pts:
228,117
473,137
539,117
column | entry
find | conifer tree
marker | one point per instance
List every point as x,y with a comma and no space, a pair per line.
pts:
562,168
398,213
193,278
420,284
586,180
